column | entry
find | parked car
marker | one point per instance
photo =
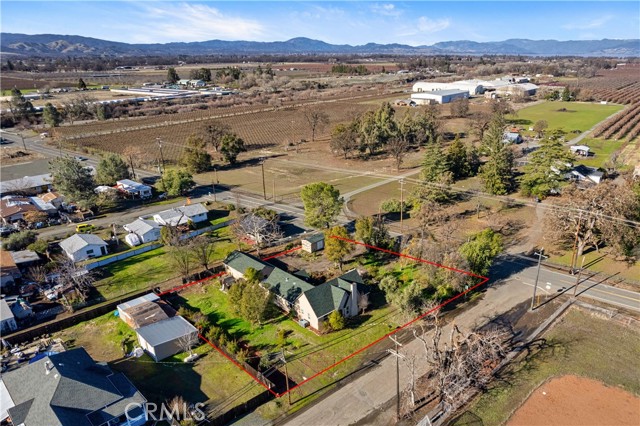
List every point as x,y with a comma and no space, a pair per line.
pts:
80,158
5,231
84,228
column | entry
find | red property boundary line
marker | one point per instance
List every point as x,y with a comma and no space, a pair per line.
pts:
278,395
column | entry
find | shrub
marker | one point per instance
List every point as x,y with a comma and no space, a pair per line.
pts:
20,240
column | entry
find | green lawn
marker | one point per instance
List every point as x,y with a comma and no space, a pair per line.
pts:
578,115
580,344
603,150
200,382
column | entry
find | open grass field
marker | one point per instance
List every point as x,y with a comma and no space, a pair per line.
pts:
159,381
576,116
602,150
580,344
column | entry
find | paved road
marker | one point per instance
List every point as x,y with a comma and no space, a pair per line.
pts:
515,279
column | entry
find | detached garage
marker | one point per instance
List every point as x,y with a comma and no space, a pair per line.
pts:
164,338
439,96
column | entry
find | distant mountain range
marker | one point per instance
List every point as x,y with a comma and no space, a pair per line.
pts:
66,45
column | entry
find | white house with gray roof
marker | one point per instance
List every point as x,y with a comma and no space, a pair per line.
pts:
7,319
195,213
70,389
83,246
146,230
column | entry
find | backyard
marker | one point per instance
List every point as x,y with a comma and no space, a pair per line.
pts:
579,344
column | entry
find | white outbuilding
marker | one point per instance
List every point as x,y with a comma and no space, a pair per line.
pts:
439,96
429,86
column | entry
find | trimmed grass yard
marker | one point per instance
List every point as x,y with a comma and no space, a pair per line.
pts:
603,150
578,115
158,381
579,344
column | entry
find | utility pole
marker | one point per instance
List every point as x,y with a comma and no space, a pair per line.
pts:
215,170
398,355
574,253
214,192
264,188
286,375
274,188
23,144
133,171
401,205
159,142
575,288
535,286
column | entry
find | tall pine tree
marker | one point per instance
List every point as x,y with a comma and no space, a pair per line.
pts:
497,173
546,168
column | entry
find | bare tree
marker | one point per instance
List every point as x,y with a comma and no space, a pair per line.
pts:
181,257
71,276
214,133
460,108
262,232
187,342
397,148
316,118
203,250
37,274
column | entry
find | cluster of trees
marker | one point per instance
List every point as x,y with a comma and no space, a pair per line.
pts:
349,69
567,95
187,254
219,137
250,299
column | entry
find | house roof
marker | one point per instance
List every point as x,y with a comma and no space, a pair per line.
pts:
144,314
42,204
141,226
590,172
77,242
241,262
149,297
345,280
189,211
76,391
314,238
49,196
194,209
286,285
26,182
325,298
131,184
6,260
25,256
166,331
10,205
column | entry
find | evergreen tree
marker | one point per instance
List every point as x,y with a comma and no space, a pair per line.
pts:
547,166
176,182
336,321
20,107
231,146
481,250
73,179
435,175
337,249
81,84
172,75
111,169
51,115
194,158
497,172
322,204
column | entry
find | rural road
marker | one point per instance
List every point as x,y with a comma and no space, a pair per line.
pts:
512,283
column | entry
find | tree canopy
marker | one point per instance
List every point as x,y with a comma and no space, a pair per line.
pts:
172,75
176,182
322,204
481,250
194,157
231,146
497,173
111,169
547,166
336,249
72,178
51,115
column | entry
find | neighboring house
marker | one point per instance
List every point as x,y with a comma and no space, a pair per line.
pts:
21,309
512,137
585,174
197,83
160,331
439,96
313,243
133,188
70,389
183,82
83,246
27,185
182,215
13,208
44,206
9,271
580,150
7,320
53,198
145,230
292,293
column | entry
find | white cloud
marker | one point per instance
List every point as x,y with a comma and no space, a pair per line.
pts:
426,25
192,22
387,9
594,23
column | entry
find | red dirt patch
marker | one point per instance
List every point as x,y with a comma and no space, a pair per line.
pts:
571,400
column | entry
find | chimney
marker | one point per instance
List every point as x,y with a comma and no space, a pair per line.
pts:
48,367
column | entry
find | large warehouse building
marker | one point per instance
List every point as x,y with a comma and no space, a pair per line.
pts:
439,96
503,86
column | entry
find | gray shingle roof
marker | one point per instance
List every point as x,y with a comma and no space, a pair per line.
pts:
78,241
141,226
241,262
77,391
325,298
165,331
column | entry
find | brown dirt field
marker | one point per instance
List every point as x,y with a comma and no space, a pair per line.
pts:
572,400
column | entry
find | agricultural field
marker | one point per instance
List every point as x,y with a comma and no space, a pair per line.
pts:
620,85
603,151
625,125
580,344
569,116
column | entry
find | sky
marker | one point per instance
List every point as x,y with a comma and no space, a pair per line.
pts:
342,22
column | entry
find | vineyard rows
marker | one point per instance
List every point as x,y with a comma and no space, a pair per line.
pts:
620,125
620,85
260,130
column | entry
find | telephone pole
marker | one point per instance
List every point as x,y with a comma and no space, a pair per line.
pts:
264,188
398,355
575,288
574,253
401,205
159,142
535,286
286,375
274,188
